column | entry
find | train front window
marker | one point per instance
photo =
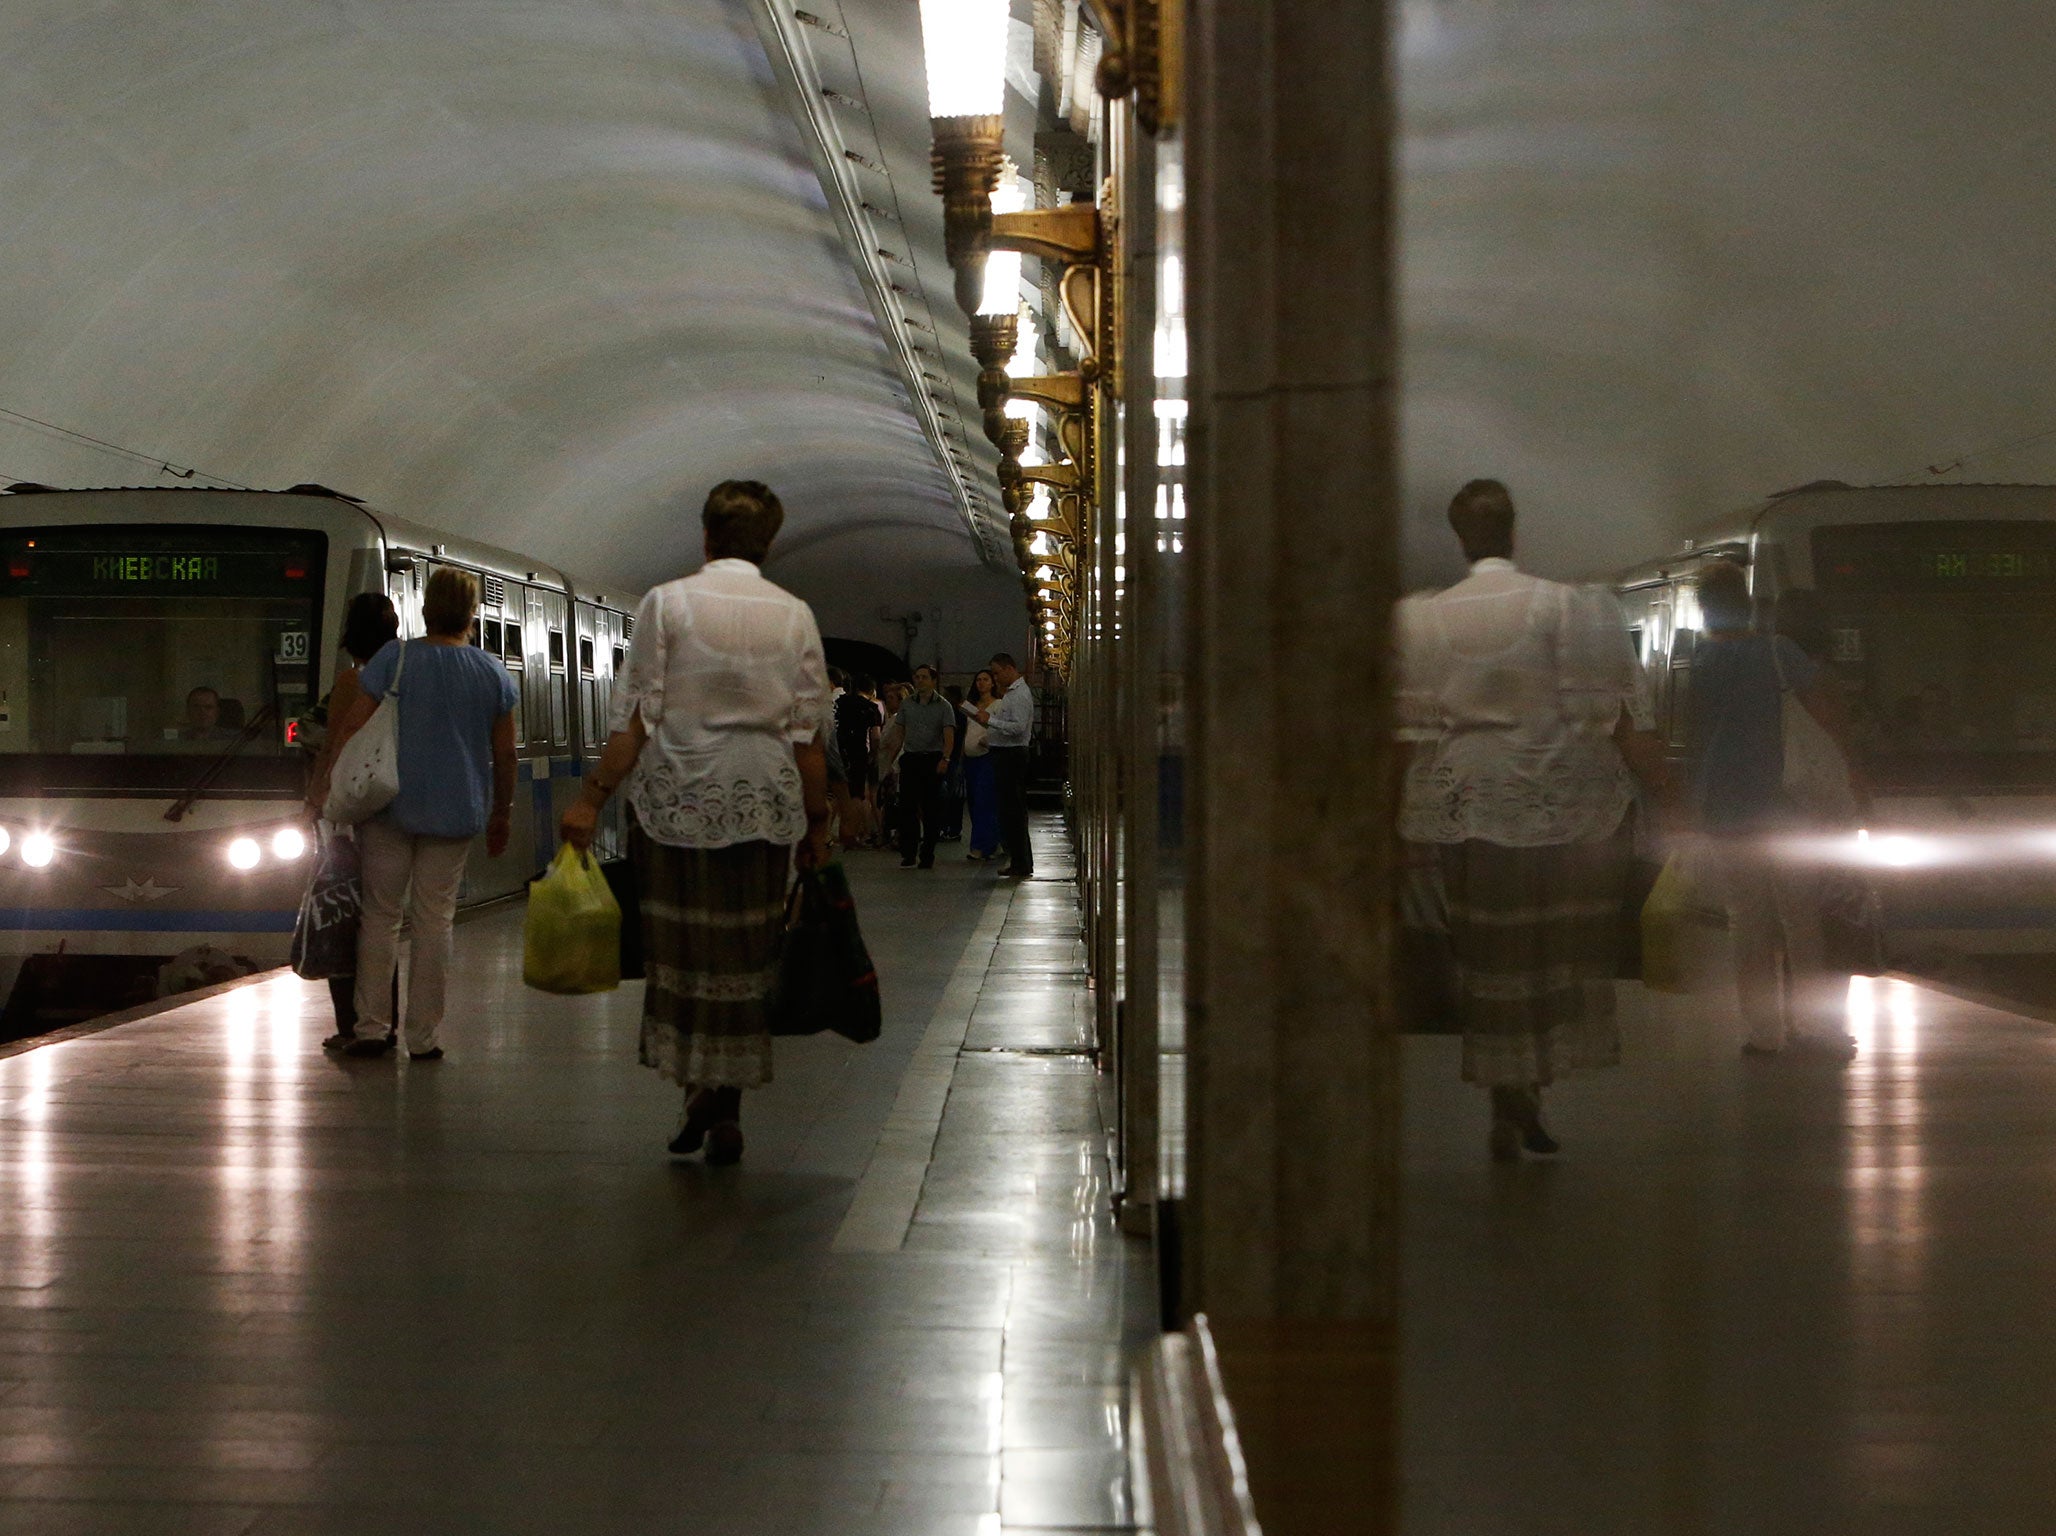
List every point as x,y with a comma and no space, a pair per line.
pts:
1943,635
154,643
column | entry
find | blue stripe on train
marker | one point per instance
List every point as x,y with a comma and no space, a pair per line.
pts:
153,920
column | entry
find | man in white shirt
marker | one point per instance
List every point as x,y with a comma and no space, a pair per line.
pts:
1008,726
1517,696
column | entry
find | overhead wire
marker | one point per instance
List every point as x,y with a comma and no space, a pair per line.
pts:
1950,468
158,462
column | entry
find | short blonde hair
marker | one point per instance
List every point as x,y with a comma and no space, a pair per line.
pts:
451,601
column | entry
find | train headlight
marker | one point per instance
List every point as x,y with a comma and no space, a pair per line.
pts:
38,849
288,843
243,854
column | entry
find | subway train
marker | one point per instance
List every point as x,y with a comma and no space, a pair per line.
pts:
1935,608
162,652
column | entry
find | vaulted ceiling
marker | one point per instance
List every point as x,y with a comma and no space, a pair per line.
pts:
538,271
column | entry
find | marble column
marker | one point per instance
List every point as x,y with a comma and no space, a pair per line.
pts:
1292,1222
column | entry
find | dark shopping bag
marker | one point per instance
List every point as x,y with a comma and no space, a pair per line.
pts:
1423,961
620,875
825,976
325,936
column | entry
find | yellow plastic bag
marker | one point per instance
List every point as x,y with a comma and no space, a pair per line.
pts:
572,942
1668,931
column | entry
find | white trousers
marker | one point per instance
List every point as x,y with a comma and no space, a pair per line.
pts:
1781,974
417,877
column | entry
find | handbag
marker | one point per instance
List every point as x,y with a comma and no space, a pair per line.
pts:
1424,962
1816,776
825,976
620,875
325,934
366,776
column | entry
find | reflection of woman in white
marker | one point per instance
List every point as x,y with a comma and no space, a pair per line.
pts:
1524,693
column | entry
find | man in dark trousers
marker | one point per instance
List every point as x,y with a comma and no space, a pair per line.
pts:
928,734
1008,726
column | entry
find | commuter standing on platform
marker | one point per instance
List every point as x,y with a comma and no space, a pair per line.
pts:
891,739
1009,725
953,780
456,735
856,735
981,800
1735,727
369,626
1525,694
716,730
928,736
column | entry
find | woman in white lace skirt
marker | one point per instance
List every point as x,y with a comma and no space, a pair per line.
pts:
1517,697
715,730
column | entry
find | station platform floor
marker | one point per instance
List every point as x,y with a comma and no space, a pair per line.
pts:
1763,1297
247,1289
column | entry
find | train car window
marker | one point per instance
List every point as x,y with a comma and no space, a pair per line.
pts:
154,642
585,655
556,648
513,653
620,659
494,640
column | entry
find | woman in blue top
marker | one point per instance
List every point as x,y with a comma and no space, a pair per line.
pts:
1736,734
456,749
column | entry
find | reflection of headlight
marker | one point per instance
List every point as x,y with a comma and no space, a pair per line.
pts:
37,850
242,853
288,843
1895,850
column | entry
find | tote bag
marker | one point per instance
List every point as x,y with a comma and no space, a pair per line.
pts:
366,777
325,936
825,977
1816,774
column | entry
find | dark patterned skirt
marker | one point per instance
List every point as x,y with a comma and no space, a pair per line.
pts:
713,920
1535,935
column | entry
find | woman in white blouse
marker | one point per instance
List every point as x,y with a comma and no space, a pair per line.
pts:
716,732
1519,697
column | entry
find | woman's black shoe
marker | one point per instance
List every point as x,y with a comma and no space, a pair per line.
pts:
699,1119
434,1053
375,1045
724,1145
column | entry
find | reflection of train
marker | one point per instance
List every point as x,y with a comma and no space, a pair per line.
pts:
159,650
1935,606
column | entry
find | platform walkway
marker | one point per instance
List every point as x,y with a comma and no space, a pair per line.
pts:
246,1288
1767,1298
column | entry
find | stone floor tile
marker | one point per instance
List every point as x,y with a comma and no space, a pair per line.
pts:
259,1291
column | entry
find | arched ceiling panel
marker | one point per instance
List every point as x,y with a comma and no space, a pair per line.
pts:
536,272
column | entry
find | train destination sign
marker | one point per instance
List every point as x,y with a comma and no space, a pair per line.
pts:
156,567
1936,557
162,562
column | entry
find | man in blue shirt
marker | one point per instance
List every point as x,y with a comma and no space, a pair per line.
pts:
1008,726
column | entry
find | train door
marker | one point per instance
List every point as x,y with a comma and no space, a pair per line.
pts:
585,623
406,580
556,612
